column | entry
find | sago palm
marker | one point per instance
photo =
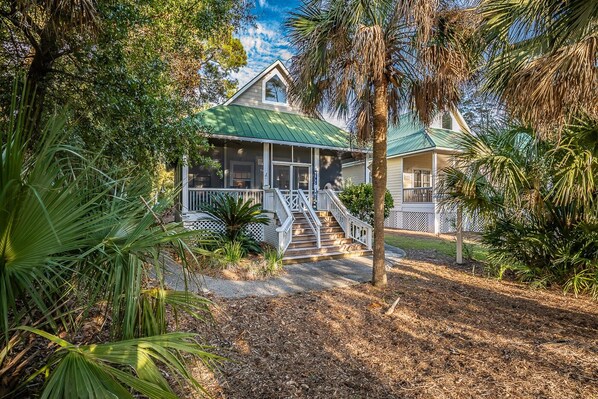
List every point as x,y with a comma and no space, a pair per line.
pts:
374,60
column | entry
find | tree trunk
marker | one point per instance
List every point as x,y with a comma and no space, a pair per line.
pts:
379,178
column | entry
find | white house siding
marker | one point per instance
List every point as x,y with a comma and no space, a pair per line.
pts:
354,174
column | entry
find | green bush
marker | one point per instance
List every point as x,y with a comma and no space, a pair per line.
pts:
273,261
232,252
359,200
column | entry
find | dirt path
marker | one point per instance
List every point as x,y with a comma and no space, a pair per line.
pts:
453,335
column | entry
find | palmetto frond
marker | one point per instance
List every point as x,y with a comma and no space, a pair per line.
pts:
544,58
110,370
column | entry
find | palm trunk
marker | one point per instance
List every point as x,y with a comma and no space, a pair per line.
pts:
379,173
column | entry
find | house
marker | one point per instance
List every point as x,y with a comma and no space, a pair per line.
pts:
271,153
416,157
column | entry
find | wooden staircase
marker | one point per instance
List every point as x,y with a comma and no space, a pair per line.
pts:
333,243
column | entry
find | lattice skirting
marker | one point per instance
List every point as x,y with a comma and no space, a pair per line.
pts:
424,221
416,221
448,223
254,230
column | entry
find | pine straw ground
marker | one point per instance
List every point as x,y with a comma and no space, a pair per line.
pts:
452,335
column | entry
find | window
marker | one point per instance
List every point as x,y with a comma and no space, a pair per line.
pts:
447,121
422,178
275,90
241,175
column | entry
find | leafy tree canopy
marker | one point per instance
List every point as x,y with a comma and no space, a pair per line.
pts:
128,71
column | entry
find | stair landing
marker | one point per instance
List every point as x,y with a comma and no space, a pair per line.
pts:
334,244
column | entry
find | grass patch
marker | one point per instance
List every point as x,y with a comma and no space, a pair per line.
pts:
442,245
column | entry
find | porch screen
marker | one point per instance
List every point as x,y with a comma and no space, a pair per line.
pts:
330,169
245,165
202,177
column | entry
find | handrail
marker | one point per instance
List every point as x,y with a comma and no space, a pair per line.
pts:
285,235
312,219
353,227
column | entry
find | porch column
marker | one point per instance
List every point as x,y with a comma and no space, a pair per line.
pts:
316,170
185,185
266,166
434,196
367,169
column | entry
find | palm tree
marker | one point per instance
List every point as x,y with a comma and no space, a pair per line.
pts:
372,60
543,58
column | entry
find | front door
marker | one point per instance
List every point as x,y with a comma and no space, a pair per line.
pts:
289,178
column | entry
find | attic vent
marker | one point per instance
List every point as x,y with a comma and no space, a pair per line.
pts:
447,121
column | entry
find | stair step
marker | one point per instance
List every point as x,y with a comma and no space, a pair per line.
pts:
300,231
315,258
311,243
324,249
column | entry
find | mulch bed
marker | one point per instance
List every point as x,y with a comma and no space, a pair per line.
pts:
452,335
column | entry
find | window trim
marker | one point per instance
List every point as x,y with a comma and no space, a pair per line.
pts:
266,79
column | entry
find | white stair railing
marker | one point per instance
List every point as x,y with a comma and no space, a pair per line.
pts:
310,215
276,203
354,228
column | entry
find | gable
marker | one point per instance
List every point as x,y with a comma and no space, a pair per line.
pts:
255,95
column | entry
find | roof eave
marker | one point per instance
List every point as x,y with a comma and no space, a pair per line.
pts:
256,140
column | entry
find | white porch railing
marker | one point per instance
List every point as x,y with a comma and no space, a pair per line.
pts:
275,202
292,198
354,228
199,196
311,217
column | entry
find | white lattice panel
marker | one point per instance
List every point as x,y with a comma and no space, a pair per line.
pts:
254,230
394,220
448,222
417,221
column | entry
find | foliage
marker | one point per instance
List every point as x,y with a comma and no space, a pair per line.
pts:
273,262
359,200
232,252
542,59
129,71
75,239
96,371
236,214
539,199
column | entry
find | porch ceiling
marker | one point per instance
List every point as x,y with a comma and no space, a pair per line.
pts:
256,124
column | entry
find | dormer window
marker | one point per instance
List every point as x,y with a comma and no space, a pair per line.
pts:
275,91
447,121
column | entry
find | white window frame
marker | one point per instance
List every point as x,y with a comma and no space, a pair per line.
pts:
422,170
243,163
266,80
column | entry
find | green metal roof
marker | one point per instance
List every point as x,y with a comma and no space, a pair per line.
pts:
410,135
264,125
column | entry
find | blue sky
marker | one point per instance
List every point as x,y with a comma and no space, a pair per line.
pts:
265,42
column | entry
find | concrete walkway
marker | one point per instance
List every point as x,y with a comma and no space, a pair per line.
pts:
313,276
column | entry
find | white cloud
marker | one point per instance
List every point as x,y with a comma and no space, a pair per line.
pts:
264,43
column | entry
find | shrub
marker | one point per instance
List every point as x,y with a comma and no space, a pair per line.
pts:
236,214
232,252
273,262
359,200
